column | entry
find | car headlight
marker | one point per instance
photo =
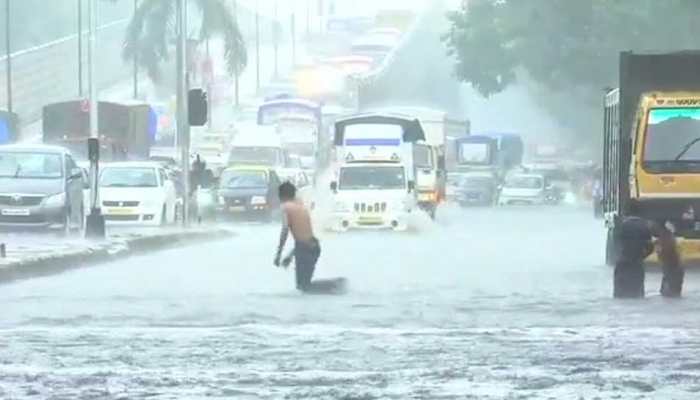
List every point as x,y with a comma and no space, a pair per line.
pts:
258,200
341,207
222,200
57,200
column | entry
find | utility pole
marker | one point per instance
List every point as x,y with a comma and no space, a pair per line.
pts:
95,227
182,115
136,61
236,78
293,29
80,48
257,46
308,18
8,56
275,39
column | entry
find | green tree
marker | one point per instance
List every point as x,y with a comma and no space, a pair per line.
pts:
151,33
562,43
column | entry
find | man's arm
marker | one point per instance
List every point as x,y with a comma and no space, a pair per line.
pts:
283,238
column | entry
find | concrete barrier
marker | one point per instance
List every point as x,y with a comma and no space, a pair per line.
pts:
110,250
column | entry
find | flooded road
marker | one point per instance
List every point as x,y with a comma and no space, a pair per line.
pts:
486,304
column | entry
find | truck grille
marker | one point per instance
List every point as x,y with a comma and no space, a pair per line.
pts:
121,218
18,200
370,207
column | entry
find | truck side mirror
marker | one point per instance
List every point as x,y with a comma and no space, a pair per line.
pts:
334,187
411,186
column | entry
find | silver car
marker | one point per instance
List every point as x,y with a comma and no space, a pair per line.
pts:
40,187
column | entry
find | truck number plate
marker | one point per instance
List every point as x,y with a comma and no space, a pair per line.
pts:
15,212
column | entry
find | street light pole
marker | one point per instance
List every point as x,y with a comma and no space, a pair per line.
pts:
257,46
95,227
182,115
8,56
236,72
80,48
136,61
275,39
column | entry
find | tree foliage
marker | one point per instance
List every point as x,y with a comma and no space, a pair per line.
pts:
152,32
562,43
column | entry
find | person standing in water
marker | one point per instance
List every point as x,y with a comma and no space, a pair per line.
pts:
670,259
634,243
307,249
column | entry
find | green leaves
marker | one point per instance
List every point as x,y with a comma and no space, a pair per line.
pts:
152,30
562,43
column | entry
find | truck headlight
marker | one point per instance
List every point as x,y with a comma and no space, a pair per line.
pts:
57,200
258,200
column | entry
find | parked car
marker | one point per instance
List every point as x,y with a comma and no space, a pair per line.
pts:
137,193
249,191
523,189
477,189
40,187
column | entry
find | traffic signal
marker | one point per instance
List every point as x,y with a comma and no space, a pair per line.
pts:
197,107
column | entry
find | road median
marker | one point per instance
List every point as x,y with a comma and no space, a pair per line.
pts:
30,261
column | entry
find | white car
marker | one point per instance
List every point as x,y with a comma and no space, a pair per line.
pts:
523,189
137,193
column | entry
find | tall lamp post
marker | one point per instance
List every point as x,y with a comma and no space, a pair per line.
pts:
95,224
136,61
8,56
236,78
183,126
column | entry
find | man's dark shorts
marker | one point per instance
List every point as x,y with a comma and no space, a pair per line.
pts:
306,255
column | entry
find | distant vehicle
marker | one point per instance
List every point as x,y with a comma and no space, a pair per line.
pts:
213,148
479,189
348,25
374,186
261,146
137,193
511,149
41,186
248,191
454,180
523,189
127,131
9,127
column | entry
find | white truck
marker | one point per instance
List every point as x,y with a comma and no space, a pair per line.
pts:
374,182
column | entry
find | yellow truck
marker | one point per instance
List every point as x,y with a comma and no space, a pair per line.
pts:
651,156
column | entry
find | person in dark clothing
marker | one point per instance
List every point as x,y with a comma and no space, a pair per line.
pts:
634,244
307,249
670,259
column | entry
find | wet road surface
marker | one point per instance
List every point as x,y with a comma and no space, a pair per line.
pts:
486,304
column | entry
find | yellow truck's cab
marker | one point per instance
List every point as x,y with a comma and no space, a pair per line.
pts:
651,160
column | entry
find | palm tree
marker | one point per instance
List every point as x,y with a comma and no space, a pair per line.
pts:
153,26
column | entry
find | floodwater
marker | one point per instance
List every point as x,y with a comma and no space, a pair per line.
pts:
485,304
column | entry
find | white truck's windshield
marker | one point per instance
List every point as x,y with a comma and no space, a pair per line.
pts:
252,155
372,178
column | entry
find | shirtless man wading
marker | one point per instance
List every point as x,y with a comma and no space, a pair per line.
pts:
306,247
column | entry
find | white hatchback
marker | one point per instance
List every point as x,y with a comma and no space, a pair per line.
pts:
523,189
137,193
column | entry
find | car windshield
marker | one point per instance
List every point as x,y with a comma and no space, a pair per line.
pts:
243,179
524,182
373,178
476,181
23,165
672,141
255,155
128,177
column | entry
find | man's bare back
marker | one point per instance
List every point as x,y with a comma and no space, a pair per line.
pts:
298,220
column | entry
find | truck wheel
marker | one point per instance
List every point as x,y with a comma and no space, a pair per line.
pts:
610,248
